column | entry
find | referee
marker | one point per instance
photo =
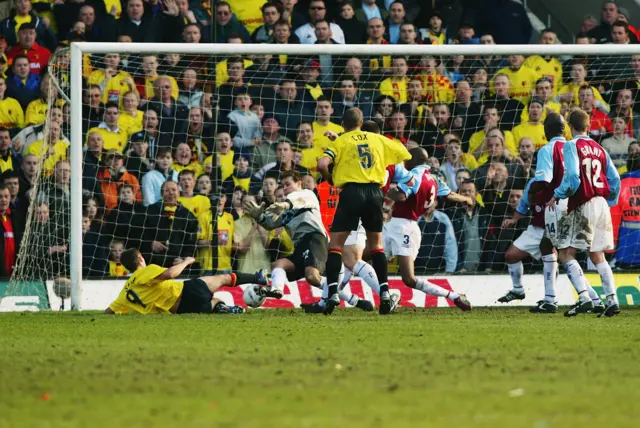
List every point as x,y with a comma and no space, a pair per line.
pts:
359,162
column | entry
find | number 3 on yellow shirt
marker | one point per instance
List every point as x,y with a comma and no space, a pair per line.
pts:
366,159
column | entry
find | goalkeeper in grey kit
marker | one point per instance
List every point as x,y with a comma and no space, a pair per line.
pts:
300,216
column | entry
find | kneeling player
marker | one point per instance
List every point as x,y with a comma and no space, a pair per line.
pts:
153,290
402,234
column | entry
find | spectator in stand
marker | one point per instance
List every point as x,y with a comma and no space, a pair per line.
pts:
183,159
284,154
11,113
494,188
55,191
146,81
366,88
270,15
268,190
438,246
38,55
348,96
544,92
618,144
317,11
200,206
510,109
491,63
10,26
91,163
609,14
114,174
533,128
225,25
27,174
137,160
322,124
507,21
265,152
251,241
466,113
163,27
283,35
354,29
233,86
437,88
241,176
52,149
244,124
569,92
600,123
470,224
395,20
116,269
309,147
225,226
290,109
190,93
30,134
523,165
36,112
172,116
375,33
455,160
112,135
114,82
92,107
170,229
369,9
624,107
224,159
152,135
23,85
522,79
235,206
396,128
547,66
19,202
204,186
10,160
153,180
130,117
198,135
12,226
119,223
437,125
396,85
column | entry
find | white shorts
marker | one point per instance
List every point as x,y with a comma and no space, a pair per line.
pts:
529,241
552,218
588,227
401,237
357,237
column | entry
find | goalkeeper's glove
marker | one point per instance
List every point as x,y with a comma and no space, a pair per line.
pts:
278,208
252,209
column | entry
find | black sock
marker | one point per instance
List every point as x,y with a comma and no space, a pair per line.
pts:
379,263
245,278
334,265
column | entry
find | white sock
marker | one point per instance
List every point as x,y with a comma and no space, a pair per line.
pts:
347,276
576,276
550,271
365,271
351,299
608,283
325,292
516,270
592,293
278,279
434,290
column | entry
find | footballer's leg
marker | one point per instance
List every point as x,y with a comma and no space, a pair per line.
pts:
514,257
550,275
566,256
608,284
352,259
603,240
279,270
214,282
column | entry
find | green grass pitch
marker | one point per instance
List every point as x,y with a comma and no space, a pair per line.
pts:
281,368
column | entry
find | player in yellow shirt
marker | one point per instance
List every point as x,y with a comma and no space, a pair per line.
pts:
396,85
523,79
152,289
547,66
359,162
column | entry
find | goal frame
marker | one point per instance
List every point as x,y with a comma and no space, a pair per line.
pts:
78,49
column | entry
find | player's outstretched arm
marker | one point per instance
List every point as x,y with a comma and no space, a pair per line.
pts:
613,179
175,270
571,179
323,168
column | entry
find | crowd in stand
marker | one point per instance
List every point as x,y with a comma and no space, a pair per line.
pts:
167,135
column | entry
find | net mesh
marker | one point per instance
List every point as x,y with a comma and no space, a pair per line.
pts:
224,128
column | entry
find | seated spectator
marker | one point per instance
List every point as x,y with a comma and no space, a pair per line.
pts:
600,123
455,160
92,209
456,68
323,123
437,125
270,15
27,175
233,85
533,128
348,96
113,81
113,136
618,144
280,243
170,229
23,85
244,124
438,246
38,55
317,11
145,84
52,150
114,174
309,147
119,222
478,142
95,251
479,85
172,116
224,158
265,152
396,85
131,118
153,180
283,35
190,94
116,269
309,80
225,25
235,207
284,154
152,134
396,18
11,112
23,13
435,33
384,105
250,240
241,176
470,224
10,160
354,29
137,160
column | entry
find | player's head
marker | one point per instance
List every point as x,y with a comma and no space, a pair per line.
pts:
419,156
132,259
352,119
579,122
371,126
554,126
291,181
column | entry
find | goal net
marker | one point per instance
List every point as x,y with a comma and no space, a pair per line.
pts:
158,150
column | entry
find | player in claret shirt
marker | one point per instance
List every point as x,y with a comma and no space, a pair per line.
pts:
592,184
402,234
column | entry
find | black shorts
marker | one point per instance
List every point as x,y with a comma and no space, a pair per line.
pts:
311,251
357,202
196,298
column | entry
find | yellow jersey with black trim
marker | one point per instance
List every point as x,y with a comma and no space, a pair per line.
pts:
11,113
523,82
363,157
117,269
551,69
395,88
145,294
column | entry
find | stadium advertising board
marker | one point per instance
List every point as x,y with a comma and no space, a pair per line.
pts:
481,290
24,296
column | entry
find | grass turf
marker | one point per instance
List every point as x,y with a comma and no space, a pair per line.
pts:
281,368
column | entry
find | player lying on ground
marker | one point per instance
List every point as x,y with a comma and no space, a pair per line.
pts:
536,240
359,165
591,184
300,216
152,289
402,235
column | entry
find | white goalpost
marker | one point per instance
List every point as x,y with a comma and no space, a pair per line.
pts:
621,55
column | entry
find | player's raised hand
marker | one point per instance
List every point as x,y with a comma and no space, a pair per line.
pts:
277,208
507,223
253,209
189,260
331,135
